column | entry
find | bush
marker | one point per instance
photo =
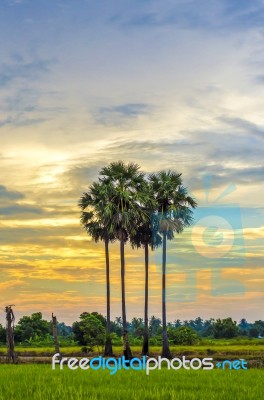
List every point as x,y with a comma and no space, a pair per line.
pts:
183,335
225,328
155,341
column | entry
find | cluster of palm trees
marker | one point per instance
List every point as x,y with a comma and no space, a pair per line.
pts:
127,206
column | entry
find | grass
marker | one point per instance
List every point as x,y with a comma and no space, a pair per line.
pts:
236,346
39,382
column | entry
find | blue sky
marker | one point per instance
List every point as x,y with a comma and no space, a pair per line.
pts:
168,84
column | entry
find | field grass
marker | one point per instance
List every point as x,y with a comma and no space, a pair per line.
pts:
39,382
232,347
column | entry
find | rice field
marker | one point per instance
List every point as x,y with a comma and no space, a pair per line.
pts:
40,382
235,347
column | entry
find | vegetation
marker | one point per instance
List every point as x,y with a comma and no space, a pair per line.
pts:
32,328
247,348
90,331
40,382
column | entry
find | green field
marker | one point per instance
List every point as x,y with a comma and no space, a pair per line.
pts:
35,382
249,349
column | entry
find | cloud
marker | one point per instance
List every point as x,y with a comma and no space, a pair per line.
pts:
191,14
23,71
14,2
9,205
20,120
115,115
229,157
244,14
24,102
153,14
243,125
17,209
29,100
6,194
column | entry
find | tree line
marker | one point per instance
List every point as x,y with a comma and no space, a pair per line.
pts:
90,331
127,206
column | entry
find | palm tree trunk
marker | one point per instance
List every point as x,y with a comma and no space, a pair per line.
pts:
127,350
108,343
145,347
165,344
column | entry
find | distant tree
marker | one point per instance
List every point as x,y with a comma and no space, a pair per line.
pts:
177,323
78,333
253,332
32,327
259,326
208,327
2,334
116,328
137,327
198,325
183,335
90,331
225,328
243,324
64,330
100,317
154,325
244,327
118,321
93,332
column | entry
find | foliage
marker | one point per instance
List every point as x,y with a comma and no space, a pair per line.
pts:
32,327
183,335
90,331
225,328
155,325
259,325
33,331
2,334
137,327
64,331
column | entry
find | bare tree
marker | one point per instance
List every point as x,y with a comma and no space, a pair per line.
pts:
10,320
55,335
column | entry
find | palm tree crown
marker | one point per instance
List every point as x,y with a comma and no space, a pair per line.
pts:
127,196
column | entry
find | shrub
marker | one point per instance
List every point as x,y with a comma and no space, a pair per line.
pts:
183,335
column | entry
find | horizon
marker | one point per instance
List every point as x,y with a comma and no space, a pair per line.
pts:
46,317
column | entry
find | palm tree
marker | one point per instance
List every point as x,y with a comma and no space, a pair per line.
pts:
144,238
127,213
96,208
172,215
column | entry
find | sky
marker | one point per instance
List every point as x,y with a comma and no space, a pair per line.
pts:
171,84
